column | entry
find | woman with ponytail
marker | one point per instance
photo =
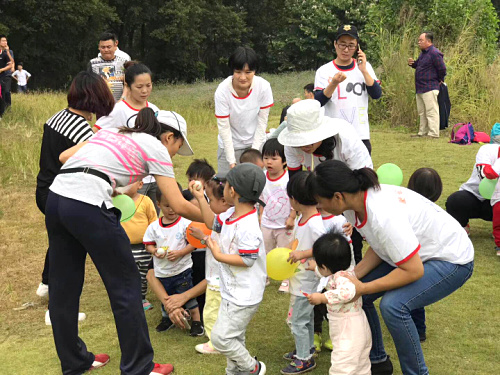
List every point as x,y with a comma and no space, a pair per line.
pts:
418,254
81,219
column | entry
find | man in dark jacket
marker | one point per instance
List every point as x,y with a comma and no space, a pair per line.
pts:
430,71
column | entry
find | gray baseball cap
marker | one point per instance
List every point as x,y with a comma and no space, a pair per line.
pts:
248,180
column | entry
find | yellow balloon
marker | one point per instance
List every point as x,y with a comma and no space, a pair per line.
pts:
277,266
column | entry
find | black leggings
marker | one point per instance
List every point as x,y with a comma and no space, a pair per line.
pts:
41,201
463,205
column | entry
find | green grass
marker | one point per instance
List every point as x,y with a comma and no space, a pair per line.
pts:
463,329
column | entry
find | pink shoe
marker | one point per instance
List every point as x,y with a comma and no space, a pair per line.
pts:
100,360
163,369
205,349
283,287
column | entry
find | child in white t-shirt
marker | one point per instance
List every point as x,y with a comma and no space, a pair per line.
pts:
242,264
300,316
166,240
349,329
21,76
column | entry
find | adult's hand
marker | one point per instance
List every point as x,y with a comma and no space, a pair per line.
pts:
410,61
361,61
174,302
231,166
359,285
338,78
177,316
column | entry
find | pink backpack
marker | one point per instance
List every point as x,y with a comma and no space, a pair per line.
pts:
464,135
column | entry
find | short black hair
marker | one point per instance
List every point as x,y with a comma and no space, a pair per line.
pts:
426,182
243,56
297,189
250,156
3,36
158,192
200,168
107,35
309,87
283,113
333,251
272,147
429,35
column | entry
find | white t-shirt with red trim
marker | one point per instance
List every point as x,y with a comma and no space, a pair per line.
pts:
486,155
243,113
171,237
304,281
349,148
350,99
277,207
243,286
399,223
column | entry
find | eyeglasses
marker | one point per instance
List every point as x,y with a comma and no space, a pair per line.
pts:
343,46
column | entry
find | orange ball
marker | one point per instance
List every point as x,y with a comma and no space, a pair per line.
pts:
194,241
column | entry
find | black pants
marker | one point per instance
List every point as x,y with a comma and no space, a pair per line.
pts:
357,245
6,86
199,275
41,201
368,145
320,314
75,229
463,205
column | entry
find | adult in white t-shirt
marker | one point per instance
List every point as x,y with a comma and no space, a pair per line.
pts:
21,76
467,203
344,84
418,254
242,104
81,219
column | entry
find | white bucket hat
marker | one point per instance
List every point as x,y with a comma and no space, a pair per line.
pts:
176,121
307,124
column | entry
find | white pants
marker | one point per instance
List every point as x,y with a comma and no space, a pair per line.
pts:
274,238
428,111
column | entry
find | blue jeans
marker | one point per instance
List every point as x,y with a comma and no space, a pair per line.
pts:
302,325
440,280
176,285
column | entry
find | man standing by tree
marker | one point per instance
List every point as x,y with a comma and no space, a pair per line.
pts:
430,71
6,69
109,65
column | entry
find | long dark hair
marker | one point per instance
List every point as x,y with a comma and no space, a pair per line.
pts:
147,122
326,148
334,176
89,92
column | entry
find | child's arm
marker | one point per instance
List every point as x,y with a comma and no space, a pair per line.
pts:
290,220
231,259
173,255
207,214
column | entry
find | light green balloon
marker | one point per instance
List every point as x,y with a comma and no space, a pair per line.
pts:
390,174
487,187
126,205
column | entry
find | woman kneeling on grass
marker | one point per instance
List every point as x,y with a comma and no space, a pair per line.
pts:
80,218
418,255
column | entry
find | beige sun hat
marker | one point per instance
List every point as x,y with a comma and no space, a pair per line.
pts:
307,124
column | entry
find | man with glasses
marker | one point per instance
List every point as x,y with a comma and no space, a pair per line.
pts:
430,71
343,85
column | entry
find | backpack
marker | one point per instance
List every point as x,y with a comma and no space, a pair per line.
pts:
481,137
495,133
464,135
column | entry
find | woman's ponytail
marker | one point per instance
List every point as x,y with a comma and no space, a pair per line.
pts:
367,178
145,122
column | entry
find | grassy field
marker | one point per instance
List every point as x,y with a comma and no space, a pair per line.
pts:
463,330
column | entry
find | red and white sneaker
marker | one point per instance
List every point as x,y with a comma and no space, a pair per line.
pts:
467,229
100,360
163,369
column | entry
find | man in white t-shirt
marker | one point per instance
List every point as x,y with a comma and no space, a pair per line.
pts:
343,85
21,76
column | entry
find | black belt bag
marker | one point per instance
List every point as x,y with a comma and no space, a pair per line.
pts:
91,171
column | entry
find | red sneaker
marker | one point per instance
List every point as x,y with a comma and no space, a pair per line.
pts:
100,360
163,369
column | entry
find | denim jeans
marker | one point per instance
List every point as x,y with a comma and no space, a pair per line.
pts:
302,325
179,284
440,280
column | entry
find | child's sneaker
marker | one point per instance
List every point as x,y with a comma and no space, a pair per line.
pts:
382,368
197,329
164,325
467,229
163,369
497,250
43,290
100,360
328,344
205,348
260,368
146,305
81,317
284,286
317,342
299,367
293,354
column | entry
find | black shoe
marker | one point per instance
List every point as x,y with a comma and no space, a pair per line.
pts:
382,368
422,337
164,325
197,329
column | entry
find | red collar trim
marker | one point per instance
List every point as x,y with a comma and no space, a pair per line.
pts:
345,70
327,217
169,225
304,223
132,108
366,215
276,179
241,217
237,97
499,152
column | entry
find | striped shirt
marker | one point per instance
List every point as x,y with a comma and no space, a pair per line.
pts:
62,131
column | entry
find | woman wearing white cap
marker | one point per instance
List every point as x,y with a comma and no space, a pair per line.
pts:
81,219
311,138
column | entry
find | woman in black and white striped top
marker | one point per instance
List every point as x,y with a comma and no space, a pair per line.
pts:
88,94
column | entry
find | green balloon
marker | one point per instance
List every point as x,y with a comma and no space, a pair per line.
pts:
126,205
390,174
487,187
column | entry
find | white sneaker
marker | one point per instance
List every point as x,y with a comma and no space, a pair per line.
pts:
205,349
81,316
43,290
